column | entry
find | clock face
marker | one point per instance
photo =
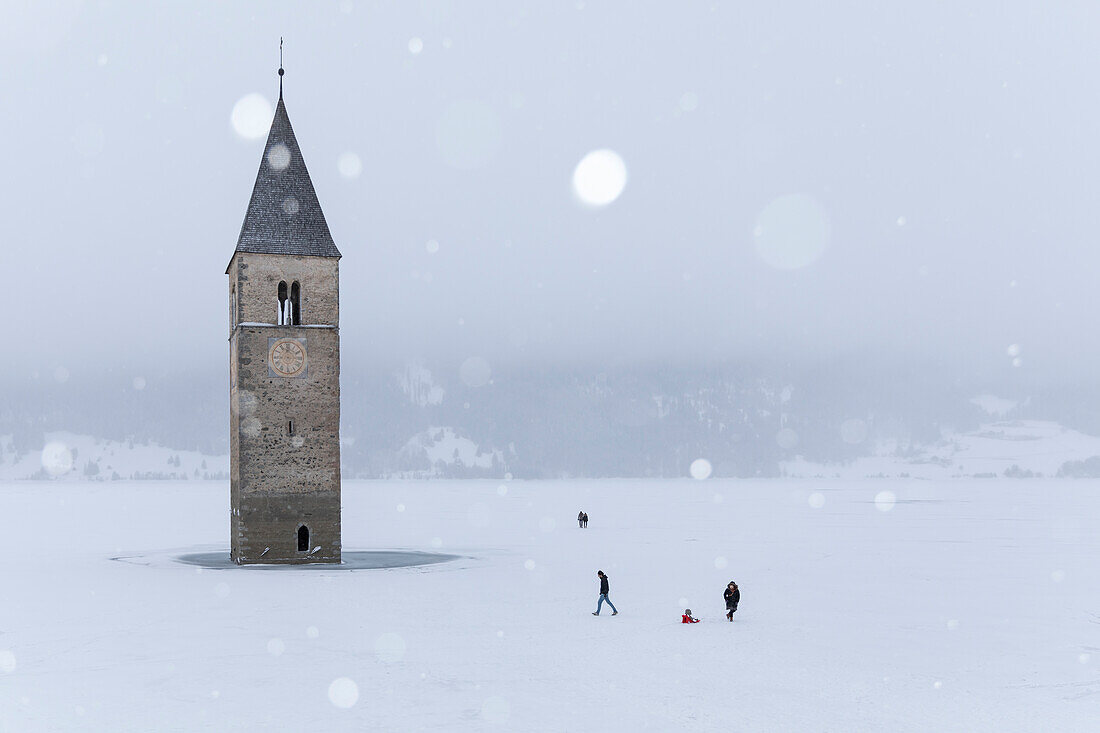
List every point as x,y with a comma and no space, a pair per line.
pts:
287,357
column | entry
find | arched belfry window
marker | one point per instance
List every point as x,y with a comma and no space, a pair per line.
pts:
284,305
295,304
303,539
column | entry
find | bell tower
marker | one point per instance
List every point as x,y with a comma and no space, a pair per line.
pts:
284,366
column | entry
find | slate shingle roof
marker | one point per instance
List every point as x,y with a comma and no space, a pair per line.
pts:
284,216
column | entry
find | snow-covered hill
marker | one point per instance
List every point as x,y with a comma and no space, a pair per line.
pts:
644,422
71,457
1013,449
1004,449
439,451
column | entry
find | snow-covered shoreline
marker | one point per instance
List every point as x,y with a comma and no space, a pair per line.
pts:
1001,449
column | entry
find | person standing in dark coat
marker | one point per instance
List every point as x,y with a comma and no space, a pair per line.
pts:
584,519
580,519
732,595
603,596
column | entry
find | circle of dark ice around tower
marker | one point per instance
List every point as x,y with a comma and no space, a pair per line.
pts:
351,560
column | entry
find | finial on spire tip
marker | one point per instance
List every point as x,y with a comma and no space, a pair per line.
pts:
281,72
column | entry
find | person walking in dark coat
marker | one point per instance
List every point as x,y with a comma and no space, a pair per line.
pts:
584,519
733,596
580,519
603,596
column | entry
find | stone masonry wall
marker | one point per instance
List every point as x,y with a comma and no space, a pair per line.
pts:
280,481
257,280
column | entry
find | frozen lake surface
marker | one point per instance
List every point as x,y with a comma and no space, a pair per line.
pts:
868,605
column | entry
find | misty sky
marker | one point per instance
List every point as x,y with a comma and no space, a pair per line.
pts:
941,156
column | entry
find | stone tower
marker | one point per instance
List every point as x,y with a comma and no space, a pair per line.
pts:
284,367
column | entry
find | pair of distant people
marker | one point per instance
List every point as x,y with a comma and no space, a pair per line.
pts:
582,520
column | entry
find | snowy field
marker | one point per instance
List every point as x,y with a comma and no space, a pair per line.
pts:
874,605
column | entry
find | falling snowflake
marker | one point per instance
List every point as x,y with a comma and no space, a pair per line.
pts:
389,648
792,232
599,178
349,165
56,458
475,372
343,692
700,469
278,157
251,116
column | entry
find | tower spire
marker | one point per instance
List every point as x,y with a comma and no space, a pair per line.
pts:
281,72
284,216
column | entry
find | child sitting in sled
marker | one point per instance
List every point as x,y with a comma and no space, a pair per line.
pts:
687,619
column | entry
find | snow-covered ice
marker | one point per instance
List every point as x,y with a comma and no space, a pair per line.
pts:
968,605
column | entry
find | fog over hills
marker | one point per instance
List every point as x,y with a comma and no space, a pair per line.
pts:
467,419
584,239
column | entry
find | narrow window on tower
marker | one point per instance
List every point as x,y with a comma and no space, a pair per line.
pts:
296,304
290,428
303,539
283,303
